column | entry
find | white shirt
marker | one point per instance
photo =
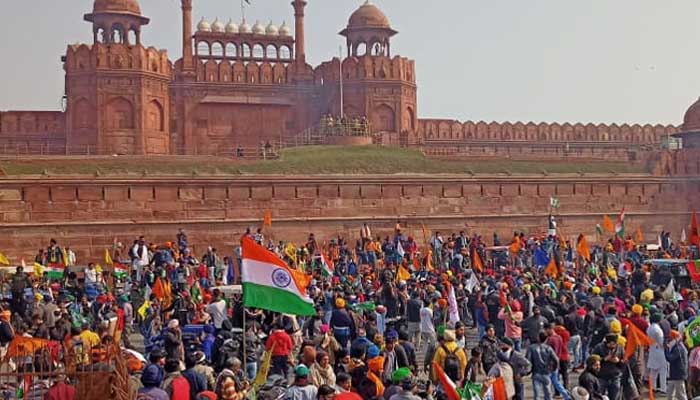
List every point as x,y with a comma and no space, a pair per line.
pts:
657,359
426,320
217,311
90,276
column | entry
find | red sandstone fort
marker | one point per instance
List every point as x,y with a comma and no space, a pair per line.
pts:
240,84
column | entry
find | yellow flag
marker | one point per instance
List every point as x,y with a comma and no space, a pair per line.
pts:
108,258
142,310
4,260
38,269
98,268
402,274
261,377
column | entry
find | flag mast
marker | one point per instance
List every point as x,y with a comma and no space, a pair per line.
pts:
340,53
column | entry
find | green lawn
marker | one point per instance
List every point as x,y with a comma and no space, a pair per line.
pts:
307,161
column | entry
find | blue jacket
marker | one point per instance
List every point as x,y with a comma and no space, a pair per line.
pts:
677,357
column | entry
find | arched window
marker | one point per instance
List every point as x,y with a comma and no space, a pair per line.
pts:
117,34
154,116
271,52
120,114
231,50
245,49
361,49
258,51
217,49
285,53
101,36
132,37
203,49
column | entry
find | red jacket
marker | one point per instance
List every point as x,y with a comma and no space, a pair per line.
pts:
557,344
565,337
283,343
60,391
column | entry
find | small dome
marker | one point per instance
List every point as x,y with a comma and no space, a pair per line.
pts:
231,27
691,120
272,29
203,26
258,28
217,26
285,30
368,16
244,28
116,6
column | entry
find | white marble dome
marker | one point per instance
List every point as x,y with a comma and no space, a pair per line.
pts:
231,27
285,30
203,26
217,26
272,30
258,28
244,28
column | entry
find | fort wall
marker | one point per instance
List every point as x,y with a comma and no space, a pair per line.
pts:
89,214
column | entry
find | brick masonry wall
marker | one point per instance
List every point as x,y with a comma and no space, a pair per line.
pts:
88,214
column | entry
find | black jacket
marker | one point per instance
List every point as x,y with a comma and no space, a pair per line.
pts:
591,383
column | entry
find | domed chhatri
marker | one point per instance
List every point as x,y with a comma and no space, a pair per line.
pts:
245,27
272,30
231,27
116,6
368,16
217,26
258,28
285,30
203,26
691,120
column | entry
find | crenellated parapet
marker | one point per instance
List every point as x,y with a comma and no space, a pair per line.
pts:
367,67
436,130
126,58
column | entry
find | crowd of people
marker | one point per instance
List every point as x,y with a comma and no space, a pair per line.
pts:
395,320
344,126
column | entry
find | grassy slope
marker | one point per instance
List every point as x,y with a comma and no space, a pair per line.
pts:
310,160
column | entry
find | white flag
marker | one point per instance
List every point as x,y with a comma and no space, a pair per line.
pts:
452,306
399,249
683,236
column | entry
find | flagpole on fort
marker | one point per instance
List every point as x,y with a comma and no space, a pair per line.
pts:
340,54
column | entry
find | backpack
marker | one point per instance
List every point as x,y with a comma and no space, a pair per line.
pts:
452,366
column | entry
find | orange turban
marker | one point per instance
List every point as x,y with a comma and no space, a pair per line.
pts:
637,309
376,364
442,303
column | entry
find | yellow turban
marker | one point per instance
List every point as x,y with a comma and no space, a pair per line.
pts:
647,296
615,327
595,290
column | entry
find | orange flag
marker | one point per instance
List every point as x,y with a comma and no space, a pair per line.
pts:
552,269
582,248
694,236
514,247
608,224
478,265
639,236
158,289
429,260
268,218
499,389
21,346
635,339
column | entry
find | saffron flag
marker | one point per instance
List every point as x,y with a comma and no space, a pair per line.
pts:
158,289
4,260
448,386
582,248
327,265
21,346
552,269
514,247
269,284
694,236
477,264
639,236
620,226
108,258
268,218
608,225
635,339
402,274
497,391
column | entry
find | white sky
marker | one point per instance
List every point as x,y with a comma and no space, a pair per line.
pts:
528,60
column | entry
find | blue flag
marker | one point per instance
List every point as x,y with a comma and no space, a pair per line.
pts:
540,257
229,272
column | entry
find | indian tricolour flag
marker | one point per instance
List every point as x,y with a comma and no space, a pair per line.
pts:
620,226
327,265
54,271
121,271
269,284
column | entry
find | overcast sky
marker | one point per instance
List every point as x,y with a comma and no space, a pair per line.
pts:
528,60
